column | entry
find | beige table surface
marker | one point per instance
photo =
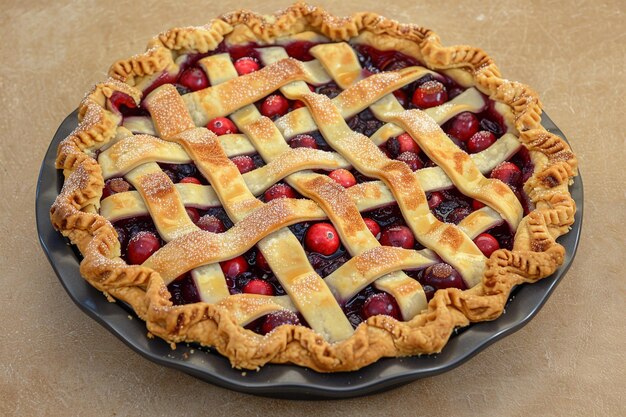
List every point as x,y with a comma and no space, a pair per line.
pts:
569,361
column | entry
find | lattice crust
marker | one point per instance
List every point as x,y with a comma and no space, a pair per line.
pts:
330,344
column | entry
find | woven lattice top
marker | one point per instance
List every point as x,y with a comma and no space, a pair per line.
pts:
175,118
118,171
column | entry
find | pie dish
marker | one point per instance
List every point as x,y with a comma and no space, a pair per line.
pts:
307,189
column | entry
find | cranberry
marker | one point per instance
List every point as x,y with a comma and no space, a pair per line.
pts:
299,50
411,159
398,236
279,191
261,262
343,177
435,199
430,94
303,141
322,238
190,180
373,226
381,303
246,65
258,286
194,79
235,266
211,224
486,243
480,141
193,214
401,144
402,98
119,99
239,51
508,173
274,106
244,163
407,144
297,104
222,126
463,126
458,214
279,318
141,247
442,275
114,186
477,205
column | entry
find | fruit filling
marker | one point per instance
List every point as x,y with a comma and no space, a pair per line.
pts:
250,272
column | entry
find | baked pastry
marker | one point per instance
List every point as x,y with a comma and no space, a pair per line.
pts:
308,189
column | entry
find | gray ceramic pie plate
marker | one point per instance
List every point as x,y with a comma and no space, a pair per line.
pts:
283,381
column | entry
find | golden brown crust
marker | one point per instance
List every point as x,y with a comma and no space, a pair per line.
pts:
535,254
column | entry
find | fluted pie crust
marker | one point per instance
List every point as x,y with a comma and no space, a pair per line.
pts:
78,214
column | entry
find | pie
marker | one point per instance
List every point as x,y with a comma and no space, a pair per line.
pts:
309,189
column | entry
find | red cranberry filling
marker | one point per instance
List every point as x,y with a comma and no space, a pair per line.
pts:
300,50
480,141
141,246
210,223
258,286
373,227
322,238
234,267
244,163
246,65
193,214
487,244
303,141
430,94
193,78
272,321
463,126
441,276
381,303
401,144
122,102
343,177
411,159
398,236
279,191
250,273
274,106
222,126
190,180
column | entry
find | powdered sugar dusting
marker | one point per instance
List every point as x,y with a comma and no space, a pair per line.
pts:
168,111
305,287
369,89
419,122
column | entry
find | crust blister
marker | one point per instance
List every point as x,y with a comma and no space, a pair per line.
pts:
535,255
